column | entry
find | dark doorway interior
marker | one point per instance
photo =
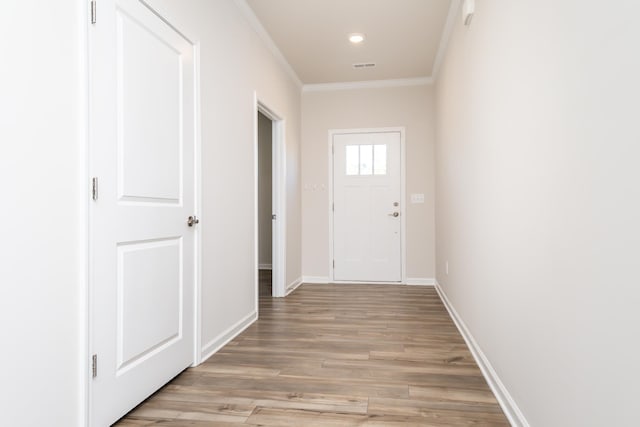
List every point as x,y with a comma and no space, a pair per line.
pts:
265,210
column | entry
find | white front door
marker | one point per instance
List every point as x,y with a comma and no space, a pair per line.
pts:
142,250
367,210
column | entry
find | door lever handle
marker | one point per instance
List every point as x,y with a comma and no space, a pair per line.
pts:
395,214
192,220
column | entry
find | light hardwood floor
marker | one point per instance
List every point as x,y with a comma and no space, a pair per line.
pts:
334,355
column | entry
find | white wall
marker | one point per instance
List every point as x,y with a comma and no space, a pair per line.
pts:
45,191
42,256
234,63
265,184
538,201
411,107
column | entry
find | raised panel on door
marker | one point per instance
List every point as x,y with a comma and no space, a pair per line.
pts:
149,299
149,85
142,250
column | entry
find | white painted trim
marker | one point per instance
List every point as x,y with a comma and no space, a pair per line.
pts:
83,179
279,197
367,84
294,285
330,206
227,335
420,281
359,282
506,401
322,280
256,207
257,26
444,38
403,204
265,266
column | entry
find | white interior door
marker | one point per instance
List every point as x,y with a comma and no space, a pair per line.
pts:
367,211
142,249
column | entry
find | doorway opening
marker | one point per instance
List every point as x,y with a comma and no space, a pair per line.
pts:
265,210
270,212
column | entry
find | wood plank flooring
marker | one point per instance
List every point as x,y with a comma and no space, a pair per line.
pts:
334,355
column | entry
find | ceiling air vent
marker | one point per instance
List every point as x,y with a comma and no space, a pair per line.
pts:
363,65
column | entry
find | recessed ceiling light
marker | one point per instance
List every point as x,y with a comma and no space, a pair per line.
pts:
356,38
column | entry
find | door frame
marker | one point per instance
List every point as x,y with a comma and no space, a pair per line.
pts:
86,409
278,197
403,211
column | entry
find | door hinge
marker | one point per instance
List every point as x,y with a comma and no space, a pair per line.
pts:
94,188
274,216
334,263
94,366
93,11
333,207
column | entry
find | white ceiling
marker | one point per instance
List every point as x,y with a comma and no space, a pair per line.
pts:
402,36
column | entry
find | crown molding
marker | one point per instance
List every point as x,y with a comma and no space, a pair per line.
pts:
367,84
262,33
449,25
254,22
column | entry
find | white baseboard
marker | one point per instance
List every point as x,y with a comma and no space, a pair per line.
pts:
323,280
265,267
358,282
420,281
222,339
509,406
293,285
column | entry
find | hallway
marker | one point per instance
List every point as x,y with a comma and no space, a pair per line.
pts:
334,355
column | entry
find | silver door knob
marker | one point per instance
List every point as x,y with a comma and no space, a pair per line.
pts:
192,220
395,214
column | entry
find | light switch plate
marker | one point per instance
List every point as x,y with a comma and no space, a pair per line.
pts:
417,198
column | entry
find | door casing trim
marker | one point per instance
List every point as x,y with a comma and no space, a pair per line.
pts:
279,197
